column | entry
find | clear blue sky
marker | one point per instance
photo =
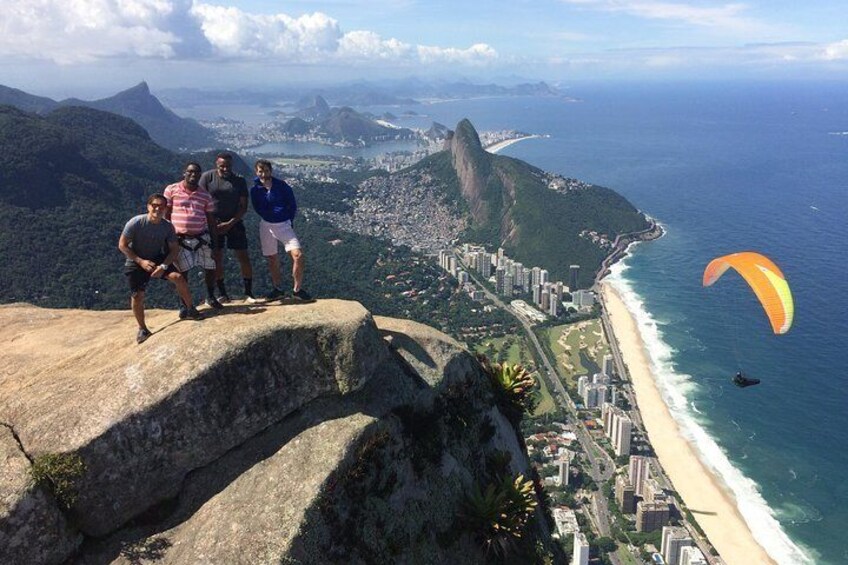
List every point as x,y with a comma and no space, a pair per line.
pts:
59,47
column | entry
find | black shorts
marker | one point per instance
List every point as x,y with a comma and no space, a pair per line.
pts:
236,238
138,277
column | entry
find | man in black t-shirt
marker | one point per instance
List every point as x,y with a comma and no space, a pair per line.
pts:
229,192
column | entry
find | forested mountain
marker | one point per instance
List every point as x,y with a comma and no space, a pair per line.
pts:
538,218
137,103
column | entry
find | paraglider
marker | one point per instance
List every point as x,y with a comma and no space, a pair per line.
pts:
769,286
742,381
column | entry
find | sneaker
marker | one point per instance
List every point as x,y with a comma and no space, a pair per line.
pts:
142,335
303,296
275,294
194,314
183,311
224,299
249,299
213,303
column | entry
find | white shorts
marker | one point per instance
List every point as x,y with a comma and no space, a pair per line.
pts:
270,234
196,255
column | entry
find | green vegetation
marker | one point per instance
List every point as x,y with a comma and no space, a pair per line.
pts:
59,472
513,387
498,516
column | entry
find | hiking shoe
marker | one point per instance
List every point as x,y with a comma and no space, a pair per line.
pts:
275,294
224,299
142,335
183,311
213,303
303,296
193,314
249,299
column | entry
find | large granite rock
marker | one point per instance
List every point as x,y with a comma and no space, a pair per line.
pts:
263,434
32,529
143,417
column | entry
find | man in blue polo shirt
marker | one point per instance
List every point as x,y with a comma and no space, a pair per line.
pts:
274,201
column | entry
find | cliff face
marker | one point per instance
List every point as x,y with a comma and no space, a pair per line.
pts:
265,434
472,166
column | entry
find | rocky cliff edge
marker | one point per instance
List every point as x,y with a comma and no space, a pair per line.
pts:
263,434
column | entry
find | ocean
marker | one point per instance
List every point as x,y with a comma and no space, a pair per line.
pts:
727,167
724,167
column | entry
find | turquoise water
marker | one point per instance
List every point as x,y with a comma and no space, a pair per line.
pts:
727,167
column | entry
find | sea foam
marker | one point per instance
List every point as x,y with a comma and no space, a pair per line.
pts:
675,389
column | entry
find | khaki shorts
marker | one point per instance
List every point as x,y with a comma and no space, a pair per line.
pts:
270,234
195,252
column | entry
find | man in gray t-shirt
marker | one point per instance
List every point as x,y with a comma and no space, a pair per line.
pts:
149,242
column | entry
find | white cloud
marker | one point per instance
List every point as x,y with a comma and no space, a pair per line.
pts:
724,17
835,51
477,54
82,31
76,31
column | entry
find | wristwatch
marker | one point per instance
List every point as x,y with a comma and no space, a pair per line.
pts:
163,266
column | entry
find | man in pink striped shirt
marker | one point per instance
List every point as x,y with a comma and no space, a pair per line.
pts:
190,210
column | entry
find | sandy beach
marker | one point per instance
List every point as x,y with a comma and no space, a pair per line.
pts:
506,143
712,506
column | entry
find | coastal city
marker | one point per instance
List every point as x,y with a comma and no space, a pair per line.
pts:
608,496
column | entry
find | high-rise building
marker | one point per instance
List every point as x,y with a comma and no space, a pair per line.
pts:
507,284
500,274
564,466
536,276
582,382
546,300
537,295
691,555
559,289
462,277
622,429
525,281
452,265
606,365
600,379
573,271
638,471
543,276
484,261
553,307
674,539
580,556
651,516
625,494
617,427
652,491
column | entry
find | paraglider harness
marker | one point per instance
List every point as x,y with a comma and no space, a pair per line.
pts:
193,242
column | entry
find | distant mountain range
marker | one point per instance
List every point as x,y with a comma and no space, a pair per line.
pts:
315,117
137,103
358,94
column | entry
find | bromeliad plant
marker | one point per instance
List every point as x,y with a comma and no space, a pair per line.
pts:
498,515
514,388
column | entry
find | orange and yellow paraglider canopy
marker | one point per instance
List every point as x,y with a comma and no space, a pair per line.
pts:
764,278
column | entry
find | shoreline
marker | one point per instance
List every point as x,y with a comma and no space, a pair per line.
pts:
712,505
494,148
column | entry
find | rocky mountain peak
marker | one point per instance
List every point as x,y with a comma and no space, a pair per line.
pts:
261,434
